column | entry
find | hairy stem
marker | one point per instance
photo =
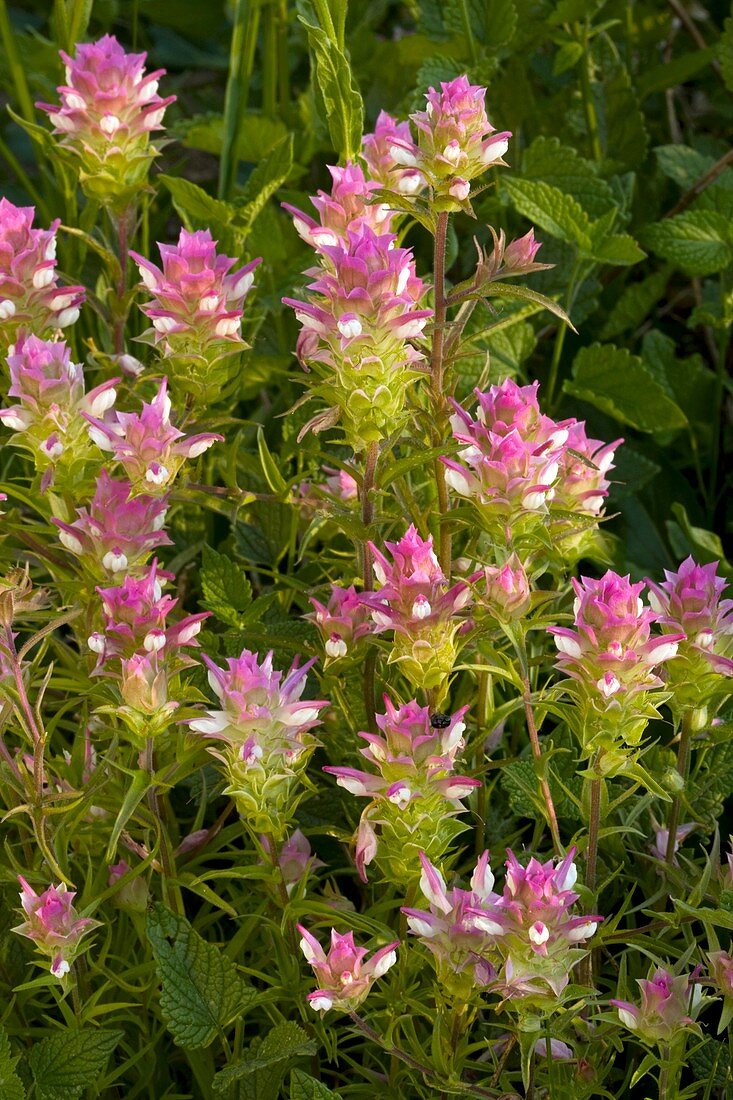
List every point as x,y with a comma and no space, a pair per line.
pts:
437,375
367,518
683,767
534,738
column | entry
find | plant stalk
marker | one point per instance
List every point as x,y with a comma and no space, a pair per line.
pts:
683,767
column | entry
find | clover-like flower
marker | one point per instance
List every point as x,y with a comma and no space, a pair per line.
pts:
689,603
117,532
53,924
668,1003
109,109
136,620
342,621
506,589
343,975
415,601
49,417
377,150
30,295
147,446
197,301
347,207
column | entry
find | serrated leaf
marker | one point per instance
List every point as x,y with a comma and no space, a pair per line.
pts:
342,103
305,1087
697,241
635,304
65,1064
201,990
549,208
682,164
619,249
195,207
11,1086
226,590
618,383
548,160
270,173
266,1063
622,124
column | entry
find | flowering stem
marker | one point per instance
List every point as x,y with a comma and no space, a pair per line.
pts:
594,823
437,372
166,857
683,767
123,225
521,648
367,518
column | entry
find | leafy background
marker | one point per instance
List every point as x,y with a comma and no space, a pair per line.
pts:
621,113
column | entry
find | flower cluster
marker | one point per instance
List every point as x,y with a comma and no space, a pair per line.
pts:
522,943
383,151
344,977
344,209
415,602
53,924
456,143
342,622
612,655
30,296
414,792
363,311
196,306
264,728
49,417
135,620
518,464
506,589
668,1003
109,108
147,446
117,532
690,607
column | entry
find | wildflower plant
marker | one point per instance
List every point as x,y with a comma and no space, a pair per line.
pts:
328,581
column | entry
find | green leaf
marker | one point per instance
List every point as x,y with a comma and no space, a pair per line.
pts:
141,784
11,1086
201,990
266,1062
704,545
682,164
697,241
679,70
548,160
227,592
618,383
567,57
725,53
549,208
270,468
635,304
195,207
269,174
342,104
619,249
66,1063
513,290
305,1087
624,132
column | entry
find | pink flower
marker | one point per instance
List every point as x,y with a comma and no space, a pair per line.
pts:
116,533
661,840
344,977
721,971
507,589
295,859
361,314
144,685
519,254
612,651
689,603
511,452
53,924
449,929
109,108
377,150
456,142
150,450
30,297
342,622
49,418
582,488
667,1002
413,781
340,484
197,302
346,208
135,620
262,713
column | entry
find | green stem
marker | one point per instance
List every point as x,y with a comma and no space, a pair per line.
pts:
437,376
589,106
521,648
560,336
717,422
367,518
594,825
683,767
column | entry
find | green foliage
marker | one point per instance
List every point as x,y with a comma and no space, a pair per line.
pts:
268,1060
622,386
66,1063
10,1083
201,990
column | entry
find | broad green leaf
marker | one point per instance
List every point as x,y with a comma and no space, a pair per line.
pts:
697,241
305,1087
618,383
670,73
227,592
619,249
266,1063
11,1086
682,164
270,173
202,993
66,1063
622,125
342,103
635,304
559,165
549,208
704,545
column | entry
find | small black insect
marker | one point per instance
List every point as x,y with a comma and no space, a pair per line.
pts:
439,721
